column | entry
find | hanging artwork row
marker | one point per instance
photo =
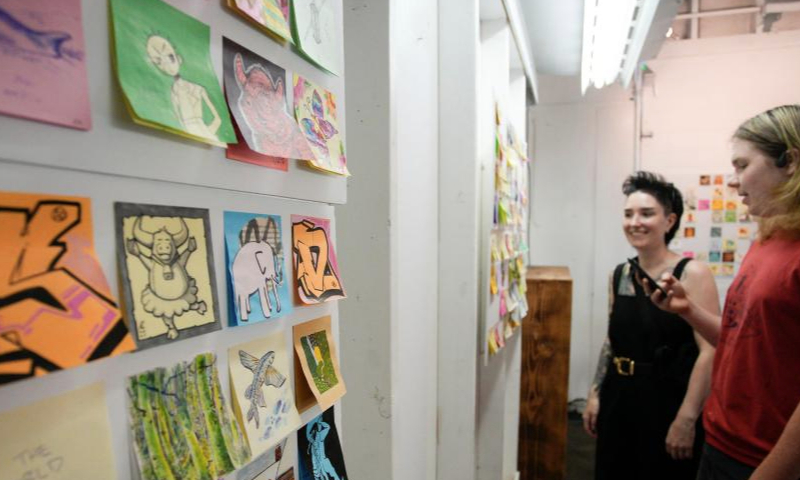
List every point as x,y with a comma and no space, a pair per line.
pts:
308,24
181,425
507,240
57,311
267,115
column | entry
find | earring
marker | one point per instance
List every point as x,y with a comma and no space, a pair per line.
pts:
781,161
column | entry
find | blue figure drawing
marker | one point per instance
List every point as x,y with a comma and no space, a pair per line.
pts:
18,37
322,468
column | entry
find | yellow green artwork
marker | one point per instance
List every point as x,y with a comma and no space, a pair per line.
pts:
182,427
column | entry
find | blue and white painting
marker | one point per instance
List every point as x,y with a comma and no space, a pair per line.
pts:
264,398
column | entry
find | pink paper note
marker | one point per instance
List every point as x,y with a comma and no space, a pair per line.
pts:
43,58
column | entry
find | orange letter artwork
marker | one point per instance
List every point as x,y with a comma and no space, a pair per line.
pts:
56,309
315,268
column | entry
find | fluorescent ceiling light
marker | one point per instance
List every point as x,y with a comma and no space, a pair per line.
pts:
614,32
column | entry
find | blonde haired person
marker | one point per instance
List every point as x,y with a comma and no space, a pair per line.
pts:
752,416
654,371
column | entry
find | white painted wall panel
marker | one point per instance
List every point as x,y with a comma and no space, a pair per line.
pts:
415,221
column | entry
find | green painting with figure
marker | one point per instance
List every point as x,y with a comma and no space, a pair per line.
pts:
318,356
164,67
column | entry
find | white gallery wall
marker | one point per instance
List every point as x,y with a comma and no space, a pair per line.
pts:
389,241
584,148
421,403
415,219
364,247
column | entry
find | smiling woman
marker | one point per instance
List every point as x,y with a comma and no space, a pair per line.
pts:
653,373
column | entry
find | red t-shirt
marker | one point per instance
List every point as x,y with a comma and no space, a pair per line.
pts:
755,385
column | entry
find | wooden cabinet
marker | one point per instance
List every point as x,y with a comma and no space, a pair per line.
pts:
545,370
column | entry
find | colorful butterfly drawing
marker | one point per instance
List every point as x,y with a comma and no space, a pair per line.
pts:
318,130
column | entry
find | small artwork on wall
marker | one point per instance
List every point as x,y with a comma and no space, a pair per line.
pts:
315,110
316,32
163,64
316,271
43,58
276,463
63,437
260,102
271,15
254,254
181,424
262,392
56,307
320,449
167,272
316,352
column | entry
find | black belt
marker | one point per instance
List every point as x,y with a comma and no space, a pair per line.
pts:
627,367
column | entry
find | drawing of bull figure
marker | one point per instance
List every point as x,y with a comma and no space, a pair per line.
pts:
256,268
170,290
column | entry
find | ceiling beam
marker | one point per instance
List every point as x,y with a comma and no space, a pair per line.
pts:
520,33
782,7
718,13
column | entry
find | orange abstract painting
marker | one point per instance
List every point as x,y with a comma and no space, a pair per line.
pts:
56,308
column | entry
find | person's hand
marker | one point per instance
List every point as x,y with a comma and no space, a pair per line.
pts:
590,413
676,300
680,438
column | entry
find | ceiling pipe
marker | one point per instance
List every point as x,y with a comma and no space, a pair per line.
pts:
782,7
520,33
719,13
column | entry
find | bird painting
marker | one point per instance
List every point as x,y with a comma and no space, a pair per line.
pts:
263,374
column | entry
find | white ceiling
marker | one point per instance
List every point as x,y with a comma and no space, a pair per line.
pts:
555,29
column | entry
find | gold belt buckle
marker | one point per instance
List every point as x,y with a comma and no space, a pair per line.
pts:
624,366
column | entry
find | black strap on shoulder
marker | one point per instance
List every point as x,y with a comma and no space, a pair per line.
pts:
678,271
616,278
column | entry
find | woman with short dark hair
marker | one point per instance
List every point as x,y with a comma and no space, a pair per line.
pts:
654,371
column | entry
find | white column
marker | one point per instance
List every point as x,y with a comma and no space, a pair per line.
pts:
388,234
459,197
364,244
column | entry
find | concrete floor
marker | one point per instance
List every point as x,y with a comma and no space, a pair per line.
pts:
580,450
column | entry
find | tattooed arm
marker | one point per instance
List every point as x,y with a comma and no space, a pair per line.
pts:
593,399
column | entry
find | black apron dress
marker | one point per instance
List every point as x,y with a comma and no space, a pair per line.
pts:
636,411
